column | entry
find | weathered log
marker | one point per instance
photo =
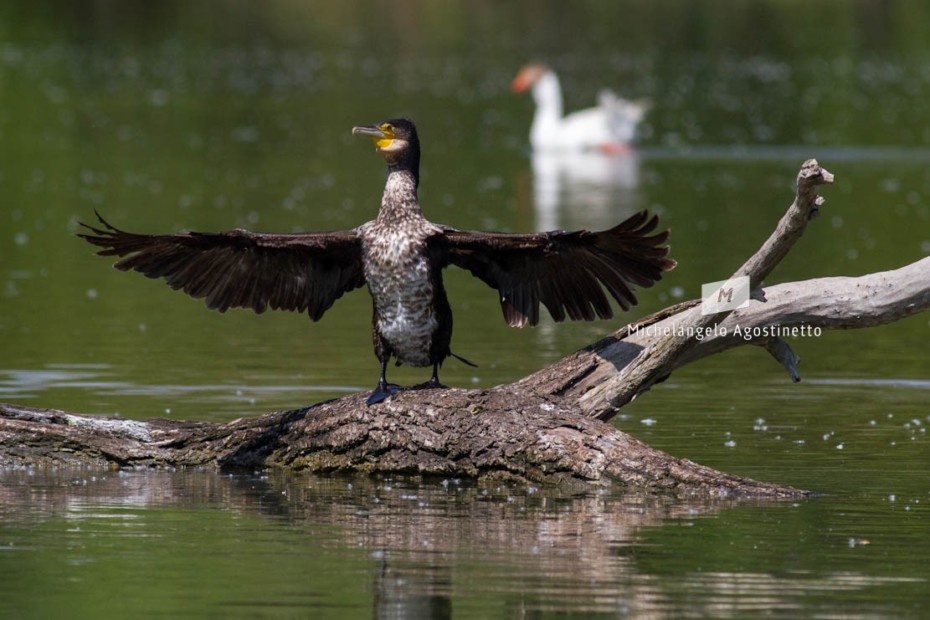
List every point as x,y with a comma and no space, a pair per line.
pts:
547,427
493,433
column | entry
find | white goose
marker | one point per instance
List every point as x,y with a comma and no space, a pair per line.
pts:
609,127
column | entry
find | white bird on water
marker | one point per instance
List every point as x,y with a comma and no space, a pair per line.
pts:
610,127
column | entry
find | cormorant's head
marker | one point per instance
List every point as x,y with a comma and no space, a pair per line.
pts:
395,139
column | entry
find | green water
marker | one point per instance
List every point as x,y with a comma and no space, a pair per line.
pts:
207,116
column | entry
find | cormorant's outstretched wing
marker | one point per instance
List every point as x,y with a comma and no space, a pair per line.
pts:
563,270
242,269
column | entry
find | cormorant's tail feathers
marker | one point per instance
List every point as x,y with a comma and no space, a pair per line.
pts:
463,360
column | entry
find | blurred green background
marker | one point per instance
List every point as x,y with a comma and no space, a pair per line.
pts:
212,115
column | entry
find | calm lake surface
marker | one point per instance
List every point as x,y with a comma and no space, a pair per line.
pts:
208,116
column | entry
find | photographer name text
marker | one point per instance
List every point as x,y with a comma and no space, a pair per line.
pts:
718,331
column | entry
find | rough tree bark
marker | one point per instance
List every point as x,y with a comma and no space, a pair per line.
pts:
549,426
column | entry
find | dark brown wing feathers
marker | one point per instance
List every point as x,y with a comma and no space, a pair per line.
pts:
242,269
568,272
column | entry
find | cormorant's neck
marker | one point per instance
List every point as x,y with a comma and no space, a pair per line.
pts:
408,166
400,190
407,160
400,193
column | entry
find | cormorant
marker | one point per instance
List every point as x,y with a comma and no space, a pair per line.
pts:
400,255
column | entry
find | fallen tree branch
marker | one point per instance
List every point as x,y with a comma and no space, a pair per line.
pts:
791,309
546,427
603,394
486,434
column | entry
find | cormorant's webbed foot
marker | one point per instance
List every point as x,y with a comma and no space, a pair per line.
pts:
382,391
434,380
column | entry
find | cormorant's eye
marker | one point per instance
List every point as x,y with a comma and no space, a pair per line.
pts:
386,127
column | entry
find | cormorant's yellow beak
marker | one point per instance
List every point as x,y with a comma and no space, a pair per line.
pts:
381,135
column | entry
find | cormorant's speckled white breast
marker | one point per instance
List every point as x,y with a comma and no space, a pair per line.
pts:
398,271
400,255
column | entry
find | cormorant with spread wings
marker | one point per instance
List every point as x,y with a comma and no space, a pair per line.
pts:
400,256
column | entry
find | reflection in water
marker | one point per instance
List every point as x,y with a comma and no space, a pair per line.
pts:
431,546
580,190
583,189
403,591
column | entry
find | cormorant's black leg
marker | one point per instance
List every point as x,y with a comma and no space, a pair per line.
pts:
434,380
383,389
